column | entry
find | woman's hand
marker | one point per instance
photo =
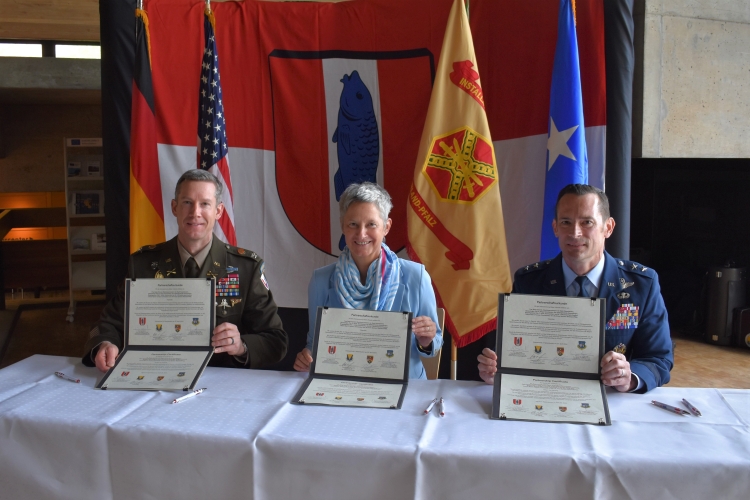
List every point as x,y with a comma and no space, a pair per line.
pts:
424,329
303,361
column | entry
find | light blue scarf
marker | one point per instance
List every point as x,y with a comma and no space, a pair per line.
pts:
381,285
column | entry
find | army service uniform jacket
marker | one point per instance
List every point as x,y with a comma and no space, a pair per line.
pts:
253,310
636,315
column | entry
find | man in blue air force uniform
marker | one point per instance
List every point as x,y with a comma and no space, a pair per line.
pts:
637,343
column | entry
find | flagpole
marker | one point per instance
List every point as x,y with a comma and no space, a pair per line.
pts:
454,360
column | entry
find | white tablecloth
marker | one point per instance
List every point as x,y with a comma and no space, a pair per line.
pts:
242,439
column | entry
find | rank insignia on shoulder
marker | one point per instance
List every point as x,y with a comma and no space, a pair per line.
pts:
635,266
643,269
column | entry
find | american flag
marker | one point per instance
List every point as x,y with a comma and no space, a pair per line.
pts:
212,133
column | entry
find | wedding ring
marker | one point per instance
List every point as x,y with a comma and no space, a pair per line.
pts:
232,339
622,372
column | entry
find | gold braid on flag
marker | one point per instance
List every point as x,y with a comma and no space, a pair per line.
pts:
144,17
211,17
454,215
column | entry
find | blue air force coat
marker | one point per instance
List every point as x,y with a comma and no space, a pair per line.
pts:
414,294
636,315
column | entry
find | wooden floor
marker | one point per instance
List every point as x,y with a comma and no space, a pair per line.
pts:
697,364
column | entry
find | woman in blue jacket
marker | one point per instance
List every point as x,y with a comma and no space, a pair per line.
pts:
368,275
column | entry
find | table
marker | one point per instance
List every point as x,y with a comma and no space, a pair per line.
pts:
242,439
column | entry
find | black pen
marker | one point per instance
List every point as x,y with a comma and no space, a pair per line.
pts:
692,408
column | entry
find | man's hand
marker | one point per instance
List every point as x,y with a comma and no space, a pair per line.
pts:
303,361
424,329
487,365
226,338
106,356
616,372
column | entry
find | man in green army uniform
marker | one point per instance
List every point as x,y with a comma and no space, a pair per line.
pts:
249,332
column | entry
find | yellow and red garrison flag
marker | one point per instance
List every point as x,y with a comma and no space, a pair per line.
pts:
146,211
454,215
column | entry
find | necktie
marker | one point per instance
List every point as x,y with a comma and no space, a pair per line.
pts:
191,269
582,291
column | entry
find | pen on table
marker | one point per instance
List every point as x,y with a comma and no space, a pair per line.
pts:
62,375
431,406
188,396
672,409
442,407
695,411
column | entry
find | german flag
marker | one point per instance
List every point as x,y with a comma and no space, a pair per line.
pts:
146,210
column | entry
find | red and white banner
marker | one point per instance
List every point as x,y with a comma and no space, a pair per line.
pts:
282,66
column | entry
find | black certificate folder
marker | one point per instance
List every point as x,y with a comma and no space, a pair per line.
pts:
360,359
549,350
168,325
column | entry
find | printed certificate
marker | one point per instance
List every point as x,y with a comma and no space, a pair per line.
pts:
551,333
352,393
549,350
156,370
362,343
360,358
168,326
173,312
552,399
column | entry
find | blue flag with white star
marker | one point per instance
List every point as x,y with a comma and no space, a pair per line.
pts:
567,162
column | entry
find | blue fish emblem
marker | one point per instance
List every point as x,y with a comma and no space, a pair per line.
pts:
356,137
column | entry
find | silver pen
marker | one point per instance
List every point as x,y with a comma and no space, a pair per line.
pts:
670,408
188,396
431,406
442,407
692,408
63,376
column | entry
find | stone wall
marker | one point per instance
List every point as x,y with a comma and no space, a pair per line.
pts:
692,95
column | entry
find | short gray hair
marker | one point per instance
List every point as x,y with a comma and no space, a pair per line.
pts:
367,192
200,175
